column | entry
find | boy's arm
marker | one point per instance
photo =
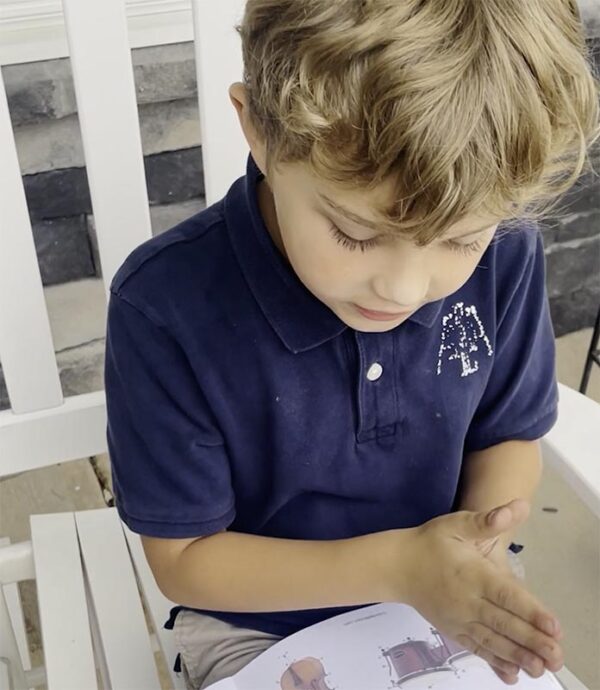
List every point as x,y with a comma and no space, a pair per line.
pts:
231,571
497,475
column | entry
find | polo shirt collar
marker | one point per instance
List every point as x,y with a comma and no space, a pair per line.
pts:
300,320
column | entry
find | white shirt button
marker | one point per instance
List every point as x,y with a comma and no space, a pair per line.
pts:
375,371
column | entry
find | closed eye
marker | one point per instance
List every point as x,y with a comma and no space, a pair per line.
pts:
465,249
350,242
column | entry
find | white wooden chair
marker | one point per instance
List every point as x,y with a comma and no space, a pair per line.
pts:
85,564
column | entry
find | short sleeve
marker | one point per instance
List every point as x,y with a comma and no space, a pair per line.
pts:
520,401
171,474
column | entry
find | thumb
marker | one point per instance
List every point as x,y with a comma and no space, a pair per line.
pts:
489,524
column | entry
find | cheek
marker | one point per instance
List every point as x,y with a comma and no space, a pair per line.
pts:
453,271
322,265
316,258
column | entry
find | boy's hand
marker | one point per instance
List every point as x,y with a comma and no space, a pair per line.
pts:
500,559
465,595
496,553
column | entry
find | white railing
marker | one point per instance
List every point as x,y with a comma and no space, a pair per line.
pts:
42,428
32,30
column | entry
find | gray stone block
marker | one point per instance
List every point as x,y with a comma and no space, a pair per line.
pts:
164,73
170,176
583,197
575,310
175,176
169,126
579,226
58,193
82,368
168,215
56,144
38,91
63,249
573,266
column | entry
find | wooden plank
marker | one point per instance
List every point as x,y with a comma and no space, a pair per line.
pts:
110,128
117,605
74,430
26,347
572,445
219,64
62,601
159,606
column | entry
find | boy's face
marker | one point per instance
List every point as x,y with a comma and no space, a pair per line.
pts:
372,281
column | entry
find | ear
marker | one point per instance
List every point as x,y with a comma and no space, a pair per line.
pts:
239,98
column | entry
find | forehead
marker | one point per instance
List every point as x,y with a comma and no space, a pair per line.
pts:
361,206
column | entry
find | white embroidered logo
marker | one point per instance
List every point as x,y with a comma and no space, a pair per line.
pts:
462,333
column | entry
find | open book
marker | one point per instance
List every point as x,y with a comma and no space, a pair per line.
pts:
379,647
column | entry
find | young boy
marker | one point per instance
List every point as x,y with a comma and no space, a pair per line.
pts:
319,386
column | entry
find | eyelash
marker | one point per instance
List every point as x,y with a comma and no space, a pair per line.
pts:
352,244
465,249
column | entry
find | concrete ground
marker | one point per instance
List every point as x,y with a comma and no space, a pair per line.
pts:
561,538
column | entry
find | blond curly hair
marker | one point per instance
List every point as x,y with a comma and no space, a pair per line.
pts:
467,106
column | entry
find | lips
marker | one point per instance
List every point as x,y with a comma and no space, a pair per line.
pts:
382,315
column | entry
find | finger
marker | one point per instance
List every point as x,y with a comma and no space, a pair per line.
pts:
506,649
508,594
487,655
519,510
508,678
519,635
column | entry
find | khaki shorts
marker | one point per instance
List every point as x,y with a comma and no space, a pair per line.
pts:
211,649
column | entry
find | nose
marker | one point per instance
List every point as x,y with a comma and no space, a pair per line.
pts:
403,278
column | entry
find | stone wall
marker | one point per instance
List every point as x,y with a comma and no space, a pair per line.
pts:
44,114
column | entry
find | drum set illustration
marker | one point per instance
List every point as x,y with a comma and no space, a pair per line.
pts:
407,661
415,658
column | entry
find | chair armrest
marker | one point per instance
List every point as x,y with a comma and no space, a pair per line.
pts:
572,447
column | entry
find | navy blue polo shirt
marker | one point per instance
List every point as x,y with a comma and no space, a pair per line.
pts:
236,399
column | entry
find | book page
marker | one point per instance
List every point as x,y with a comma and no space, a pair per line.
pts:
380,647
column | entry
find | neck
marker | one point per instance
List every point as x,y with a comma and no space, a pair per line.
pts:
266,204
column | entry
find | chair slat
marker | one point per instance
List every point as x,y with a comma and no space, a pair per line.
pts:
76,429
218,64
26,347
64,619
572,446
117,605
159,606
107,109
14,650
10,596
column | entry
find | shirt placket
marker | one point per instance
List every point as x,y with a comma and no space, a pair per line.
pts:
377,404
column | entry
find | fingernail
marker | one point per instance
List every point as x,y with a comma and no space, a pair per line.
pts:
548,627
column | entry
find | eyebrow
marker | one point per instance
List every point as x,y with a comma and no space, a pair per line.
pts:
373,225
